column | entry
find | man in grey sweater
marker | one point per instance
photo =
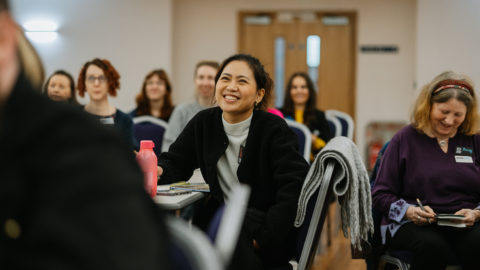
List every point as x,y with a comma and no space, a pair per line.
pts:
204,79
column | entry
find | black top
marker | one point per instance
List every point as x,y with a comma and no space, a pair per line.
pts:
71,192
318,125
271,166
123,125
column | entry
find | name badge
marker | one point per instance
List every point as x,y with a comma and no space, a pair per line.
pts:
107,121
463,159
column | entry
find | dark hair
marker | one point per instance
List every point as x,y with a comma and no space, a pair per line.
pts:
288,105
4,5
73,98
113,78
212,64
143,104
262,78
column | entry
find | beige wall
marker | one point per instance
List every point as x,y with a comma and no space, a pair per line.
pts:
448,39
134,35
207,29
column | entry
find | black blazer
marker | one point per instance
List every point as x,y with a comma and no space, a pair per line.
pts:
271,166
71,192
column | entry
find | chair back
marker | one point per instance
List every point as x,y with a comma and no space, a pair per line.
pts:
149,128
334,125
304,138
225,227
346,122
308,236
190,249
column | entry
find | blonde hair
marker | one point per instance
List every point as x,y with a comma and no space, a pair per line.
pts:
30,61
420,117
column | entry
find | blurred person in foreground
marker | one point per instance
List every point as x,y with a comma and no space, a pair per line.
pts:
434,159
71,192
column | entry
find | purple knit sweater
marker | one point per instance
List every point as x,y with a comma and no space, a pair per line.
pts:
414,166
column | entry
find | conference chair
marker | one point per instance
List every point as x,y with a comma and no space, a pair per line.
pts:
190,248
304,138
381,258
226,225
334,125
149,128
308,235
346,122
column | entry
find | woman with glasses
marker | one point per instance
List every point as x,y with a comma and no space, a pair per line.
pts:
100,79
155,97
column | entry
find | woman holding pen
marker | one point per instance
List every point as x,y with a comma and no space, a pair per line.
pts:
434,164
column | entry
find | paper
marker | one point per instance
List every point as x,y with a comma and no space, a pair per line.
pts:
201,187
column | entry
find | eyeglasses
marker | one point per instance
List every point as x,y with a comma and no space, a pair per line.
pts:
101,79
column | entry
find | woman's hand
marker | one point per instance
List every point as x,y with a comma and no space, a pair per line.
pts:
471,216
420,217
159,171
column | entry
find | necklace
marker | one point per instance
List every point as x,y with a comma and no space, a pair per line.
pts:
443,143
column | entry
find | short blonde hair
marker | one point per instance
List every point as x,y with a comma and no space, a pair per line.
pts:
420,117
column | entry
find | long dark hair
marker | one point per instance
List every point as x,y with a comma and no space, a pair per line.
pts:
73,98
288,105
262,78
143,104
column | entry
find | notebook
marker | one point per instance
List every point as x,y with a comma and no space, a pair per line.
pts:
450,220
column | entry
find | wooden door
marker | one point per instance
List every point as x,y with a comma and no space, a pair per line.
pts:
258,32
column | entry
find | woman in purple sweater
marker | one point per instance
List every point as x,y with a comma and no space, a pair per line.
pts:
435,159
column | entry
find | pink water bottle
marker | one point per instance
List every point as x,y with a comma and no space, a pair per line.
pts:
147,160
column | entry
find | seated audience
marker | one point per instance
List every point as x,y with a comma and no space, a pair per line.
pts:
300,105
61,87
204,79
155,98
99,79
239,142
71,192
434,159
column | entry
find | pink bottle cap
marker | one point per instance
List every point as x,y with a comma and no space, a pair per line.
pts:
146,144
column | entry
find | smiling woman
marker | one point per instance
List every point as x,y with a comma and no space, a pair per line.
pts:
236,91
239,142
436,158
155,98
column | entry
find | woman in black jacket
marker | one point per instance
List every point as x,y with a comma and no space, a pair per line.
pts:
300,105
238,142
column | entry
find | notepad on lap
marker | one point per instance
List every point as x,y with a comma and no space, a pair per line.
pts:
450,220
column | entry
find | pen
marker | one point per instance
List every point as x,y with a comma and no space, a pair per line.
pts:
421,207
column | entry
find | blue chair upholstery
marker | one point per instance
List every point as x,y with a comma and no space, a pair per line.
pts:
304,138
190,249
346,122
149,128
334,124
308,235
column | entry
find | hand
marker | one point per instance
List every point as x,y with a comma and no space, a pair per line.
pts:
420,217
471,216
159,171
314,138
